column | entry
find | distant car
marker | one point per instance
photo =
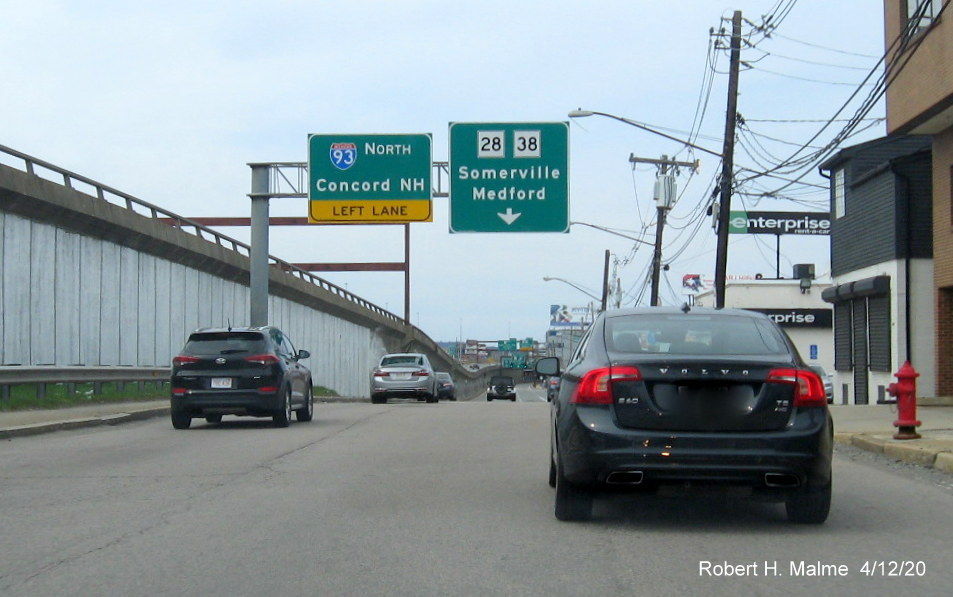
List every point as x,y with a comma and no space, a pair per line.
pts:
240,371
552,388
828,382
403,375
446,389
718,397
501,388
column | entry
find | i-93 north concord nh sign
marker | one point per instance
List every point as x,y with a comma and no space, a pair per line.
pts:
509,177
369,179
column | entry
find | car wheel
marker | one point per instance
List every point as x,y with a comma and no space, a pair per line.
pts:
181,419
431,398
378,400
306,413
573,503
552,472
213,418
513,398
489,398
282,418
810,505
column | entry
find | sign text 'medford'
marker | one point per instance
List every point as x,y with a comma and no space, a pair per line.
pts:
509,193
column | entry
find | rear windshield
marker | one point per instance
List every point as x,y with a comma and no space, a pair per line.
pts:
406,359
691,334
219,343
503,380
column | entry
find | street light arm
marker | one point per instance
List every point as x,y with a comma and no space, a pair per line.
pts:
580,113
638,240
579,288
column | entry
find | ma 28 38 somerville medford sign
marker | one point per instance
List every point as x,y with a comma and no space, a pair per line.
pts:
509,177
779,222
369,179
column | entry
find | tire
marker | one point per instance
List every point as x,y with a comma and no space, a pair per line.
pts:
810,505
573,503
431,398
489,398
181,419
378,399
306,412
552,472
213,418
282,417
513,398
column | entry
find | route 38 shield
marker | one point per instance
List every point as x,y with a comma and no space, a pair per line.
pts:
343,155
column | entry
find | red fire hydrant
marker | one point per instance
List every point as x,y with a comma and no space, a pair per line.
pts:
905,391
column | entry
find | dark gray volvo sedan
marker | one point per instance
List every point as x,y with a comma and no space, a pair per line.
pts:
657,396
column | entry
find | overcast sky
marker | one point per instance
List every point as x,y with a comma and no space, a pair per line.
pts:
170,100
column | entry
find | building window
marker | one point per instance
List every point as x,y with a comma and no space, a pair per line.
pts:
839,204
921,14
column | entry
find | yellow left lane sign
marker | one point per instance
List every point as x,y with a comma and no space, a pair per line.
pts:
370,211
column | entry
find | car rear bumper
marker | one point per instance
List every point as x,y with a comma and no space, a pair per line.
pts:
595,451
240,402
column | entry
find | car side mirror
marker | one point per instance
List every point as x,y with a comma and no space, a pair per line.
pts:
303,354
548,366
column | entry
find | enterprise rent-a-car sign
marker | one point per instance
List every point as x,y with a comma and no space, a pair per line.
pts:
779,222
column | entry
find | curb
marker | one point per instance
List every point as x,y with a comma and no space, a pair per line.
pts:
110,419
923,452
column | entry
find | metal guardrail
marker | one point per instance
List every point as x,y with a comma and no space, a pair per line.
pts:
44,375
144,208
15,374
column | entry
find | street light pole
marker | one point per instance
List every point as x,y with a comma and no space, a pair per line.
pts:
657,258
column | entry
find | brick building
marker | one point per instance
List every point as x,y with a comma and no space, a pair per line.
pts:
919,48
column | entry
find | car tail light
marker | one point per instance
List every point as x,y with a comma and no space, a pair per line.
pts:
268,389
381,373
421,373
809,387
179,391
596,385
184,360
262,359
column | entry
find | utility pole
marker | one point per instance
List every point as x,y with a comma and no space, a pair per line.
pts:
727,163
664,197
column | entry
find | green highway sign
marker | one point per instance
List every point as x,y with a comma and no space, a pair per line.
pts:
369,179
509,177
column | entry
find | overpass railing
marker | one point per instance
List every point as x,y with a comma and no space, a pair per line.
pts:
85,185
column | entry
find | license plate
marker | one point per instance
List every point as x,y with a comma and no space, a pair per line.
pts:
221,383
401,376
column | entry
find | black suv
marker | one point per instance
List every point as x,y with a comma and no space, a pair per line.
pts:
501,387
240,371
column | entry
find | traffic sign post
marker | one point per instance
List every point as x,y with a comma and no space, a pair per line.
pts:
509,177
369,179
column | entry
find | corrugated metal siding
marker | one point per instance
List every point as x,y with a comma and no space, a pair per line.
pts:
68,299
866,234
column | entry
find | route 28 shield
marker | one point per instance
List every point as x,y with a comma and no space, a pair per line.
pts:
343,155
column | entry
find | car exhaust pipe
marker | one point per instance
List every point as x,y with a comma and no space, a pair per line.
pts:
625,478
781,480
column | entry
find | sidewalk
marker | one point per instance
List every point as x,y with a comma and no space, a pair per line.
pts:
866,427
